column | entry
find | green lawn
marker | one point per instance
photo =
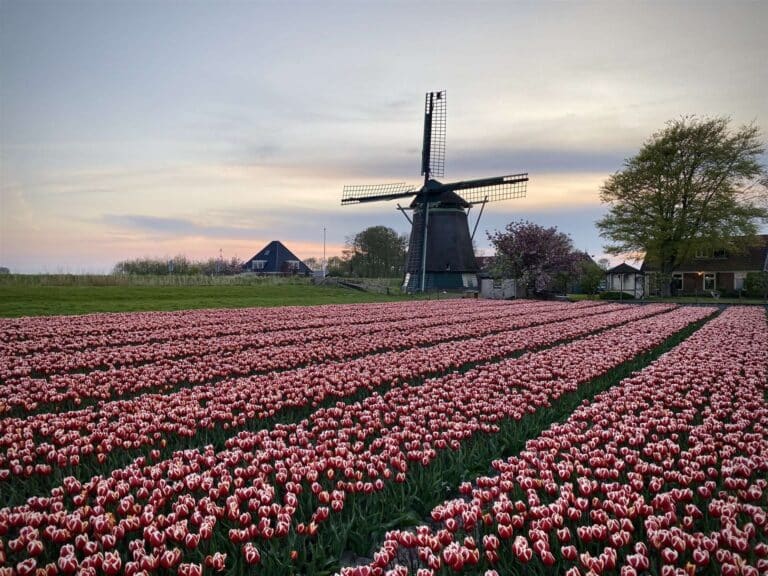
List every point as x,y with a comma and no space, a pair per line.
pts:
41,300
49,295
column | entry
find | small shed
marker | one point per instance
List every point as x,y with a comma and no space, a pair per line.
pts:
275,258
498,289
626,279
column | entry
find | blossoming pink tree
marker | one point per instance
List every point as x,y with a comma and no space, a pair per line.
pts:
533,254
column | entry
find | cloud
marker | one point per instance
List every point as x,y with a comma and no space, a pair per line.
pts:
499,160
229,128
178,228
372,163
16,210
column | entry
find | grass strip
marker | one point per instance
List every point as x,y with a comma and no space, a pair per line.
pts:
16,301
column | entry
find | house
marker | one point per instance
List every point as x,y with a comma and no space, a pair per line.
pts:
562,282
625,279
275,258
710,271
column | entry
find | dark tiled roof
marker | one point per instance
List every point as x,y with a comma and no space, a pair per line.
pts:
275,254
623,268
753,259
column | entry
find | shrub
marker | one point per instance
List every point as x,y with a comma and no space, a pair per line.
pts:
756,284
614,296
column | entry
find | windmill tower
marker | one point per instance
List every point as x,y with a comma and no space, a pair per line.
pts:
440,252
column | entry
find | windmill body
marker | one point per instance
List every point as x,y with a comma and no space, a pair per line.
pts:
450,257
440,251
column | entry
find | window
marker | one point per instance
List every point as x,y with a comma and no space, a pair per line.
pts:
709,281
258,264
677,281
292,264
707,253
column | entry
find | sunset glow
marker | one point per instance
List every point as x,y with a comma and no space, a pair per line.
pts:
130,130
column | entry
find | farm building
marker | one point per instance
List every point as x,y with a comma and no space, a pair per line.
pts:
626,279
275,258
714,270
494,286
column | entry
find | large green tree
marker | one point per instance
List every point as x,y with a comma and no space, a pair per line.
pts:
376,252
696,184
591,275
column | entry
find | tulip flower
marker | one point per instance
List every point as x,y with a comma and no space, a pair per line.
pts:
615,471
251,553
190,408
638,427
190,569
112,563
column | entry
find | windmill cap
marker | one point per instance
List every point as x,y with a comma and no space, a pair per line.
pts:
437,193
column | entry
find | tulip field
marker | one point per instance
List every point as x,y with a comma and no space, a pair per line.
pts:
422,437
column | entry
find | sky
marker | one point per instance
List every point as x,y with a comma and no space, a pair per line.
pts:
133,129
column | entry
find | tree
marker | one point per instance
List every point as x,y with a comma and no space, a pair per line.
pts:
756,285
314,264
376,252
591,276
179,265
534,255
337,266
694,185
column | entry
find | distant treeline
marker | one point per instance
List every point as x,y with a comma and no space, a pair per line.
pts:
376,252
127,280
179,265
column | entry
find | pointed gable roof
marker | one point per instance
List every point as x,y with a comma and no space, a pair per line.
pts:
623,268
275,255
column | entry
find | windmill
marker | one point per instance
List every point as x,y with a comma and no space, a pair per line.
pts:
440,252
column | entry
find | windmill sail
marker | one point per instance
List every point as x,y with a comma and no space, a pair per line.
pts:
491,189
433,147
376,192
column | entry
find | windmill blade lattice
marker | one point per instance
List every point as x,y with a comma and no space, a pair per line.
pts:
375,192
433,147
491,189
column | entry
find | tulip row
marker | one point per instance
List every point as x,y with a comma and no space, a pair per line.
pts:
20,336
273,489
20,356
229,338
56,443
664,474
61,393
177,364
